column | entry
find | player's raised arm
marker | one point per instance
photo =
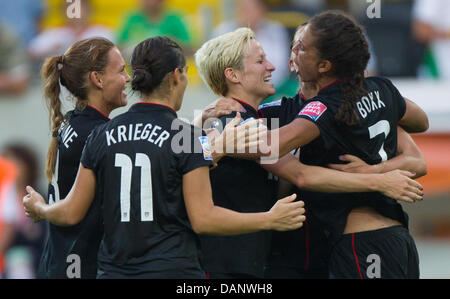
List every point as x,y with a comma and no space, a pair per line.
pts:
69,211
206,218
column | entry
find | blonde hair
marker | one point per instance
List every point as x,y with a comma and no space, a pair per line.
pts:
220,53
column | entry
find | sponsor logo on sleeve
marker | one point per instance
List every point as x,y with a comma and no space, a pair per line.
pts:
207,153
314,110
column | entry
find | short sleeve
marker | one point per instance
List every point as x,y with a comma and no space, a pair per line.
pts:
93,150
314,110
397,98
199,153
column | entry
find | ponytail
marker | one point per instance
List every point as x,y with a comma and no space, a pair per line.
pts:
352,90
71,70
340,40
50,75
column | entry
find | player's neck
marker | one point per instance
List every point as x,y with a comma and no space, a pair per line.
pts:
96,101
159,101
252,100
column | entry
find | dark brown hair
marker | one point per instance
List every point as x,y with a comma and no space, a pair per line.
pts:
152,60
72,70
340,40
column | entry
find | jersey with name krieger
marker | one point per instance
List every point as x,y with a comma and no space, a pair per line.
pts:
139,159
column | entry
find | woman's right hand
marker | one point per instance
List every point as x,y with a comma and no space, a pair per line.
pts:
239,139
397,184
287,214
33,203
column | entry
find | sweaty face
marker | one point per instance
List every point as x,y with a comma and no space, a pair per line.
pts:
305,56
115,80
257,74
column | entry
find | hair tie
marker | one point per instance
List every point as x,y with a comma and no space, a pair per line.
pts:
60,62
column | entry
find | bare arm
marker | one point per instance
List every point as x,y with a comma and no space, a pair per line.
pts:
395,184
294,135
409,157
206,218
69,211
415,119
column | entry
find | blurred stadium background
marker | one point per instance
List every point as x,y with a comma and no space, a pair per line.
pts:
399,54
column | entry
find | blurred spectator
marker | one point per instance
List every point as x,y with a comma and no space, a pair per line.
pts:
23,255
24,16
152,19
8,209
56,41
397,53
14,70
432,27
310,7
273,37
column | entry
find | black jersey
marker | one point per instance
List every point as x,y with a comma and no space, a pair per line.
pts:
304,249
83,239
373,140
242,186
139,159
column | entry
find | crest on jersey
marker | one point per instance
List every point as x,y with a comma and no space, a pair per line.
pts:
207,153
271,104
314,110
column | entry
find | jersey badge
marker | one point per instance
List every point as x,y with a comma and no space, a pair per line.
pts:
207,153
314,110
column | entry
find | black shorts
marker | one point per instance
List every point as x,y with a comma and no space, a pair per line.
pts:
387,253
281,272
182,273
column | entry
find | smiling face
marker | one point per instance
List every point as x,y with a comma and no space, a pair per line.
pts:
256,75
305,55
115,79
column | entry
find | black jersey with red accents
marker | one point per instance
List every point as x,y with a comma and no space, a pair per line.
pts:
77,244
282,112
373,140
304,250
139,159
242,186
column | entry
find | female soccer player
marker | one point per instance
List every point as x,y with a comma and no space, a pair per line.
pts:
358,116
93,71
151,172
234,65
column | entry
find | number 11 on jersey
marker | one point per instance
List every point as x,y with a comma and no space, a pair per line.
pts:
125,163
